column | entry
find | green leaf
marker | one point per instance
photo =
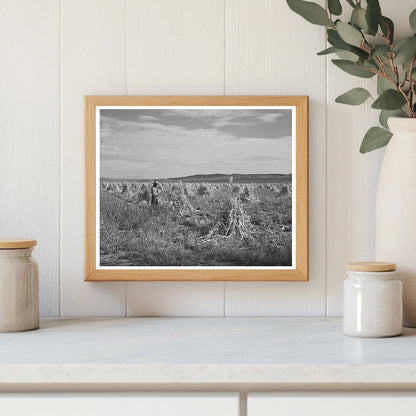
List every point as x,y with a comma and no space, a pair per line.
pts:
381,50
405,43
356,96
386,114
347,55
373,15
349,34
383,84
370,64
328,51
350,56
387,27
351,3
362,54
352,68
358,18
375,138
334,7
405,50
412,20
335,40
389,100
311,12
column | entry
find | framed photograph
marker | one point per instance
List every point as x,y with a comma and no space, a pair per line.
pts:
196,188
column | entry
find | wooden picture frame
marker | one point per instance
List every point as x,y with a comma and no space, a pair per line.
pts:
297,271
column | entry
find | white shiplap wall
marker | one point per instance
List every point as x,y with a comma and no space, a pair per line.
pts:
56,51
93,60
29,134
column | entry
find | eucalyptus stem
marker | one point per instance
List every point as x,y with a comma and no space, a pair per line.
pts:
411,92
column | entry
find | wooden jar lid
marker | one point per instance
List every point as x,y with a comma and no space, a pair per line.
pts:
371,266
11,243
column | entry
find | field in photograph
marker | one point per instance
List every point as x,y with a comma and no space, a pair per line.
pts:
205,221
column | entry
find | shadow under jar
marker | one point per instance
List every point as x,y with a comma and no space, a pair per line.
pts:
373,305
19,286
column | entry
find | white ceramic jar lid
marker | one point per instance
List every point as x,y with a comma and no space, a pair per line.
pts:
371,266
12,243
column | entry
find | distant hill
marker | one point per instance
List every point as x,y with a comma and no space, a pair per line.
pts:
237,177
217,178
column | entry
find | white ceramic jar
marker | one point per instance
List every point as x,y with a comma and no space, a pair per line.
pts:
372,300
19,286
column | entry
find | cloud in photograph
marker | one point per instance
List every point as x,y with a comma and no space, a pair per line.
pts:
166,143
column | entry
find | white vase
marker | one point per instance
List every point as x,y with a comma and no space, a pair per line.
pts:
396,210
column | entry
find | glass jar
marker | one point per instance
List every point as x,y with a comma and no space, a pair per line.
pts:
372,300
19,286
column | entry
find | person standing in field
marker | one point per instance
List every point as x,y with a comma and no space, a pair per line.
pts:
155,191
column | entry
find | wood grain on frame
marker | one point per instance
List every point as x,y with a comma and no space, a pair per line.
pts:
302,200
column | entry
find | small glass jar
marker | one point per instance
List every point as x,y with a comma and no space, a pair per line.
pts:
372,300
19,286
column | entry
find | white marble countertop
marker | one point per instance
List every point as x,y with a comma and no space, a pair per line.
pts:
204,351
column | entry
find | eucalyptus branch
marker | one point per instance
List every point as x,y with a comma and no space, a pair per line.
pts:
405,96
385,75
366,43
411,82
366,47
386,38
381,65
395,71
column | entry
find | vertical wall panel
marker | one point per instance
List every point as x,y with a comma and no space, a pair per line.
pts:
352,177
93,58
29,134
175,47
271,50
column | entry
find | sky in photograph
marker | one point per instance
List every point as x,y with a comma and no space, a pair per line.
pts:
169,143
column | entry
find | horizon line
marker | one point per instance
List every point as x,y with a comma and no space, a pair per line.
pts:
199,174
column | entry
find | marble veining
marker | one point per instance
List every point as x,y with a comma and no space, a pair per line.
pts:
203,350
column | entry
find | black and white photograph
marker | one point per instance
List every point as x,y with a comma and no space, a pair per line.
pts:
196,187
